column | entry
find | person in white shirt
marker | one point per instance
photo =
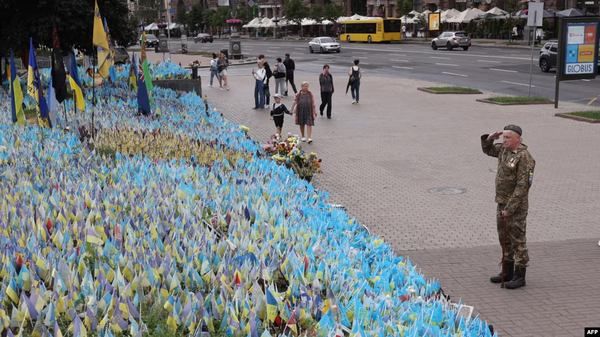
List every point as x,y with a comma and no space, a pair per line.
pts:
214,72
259,86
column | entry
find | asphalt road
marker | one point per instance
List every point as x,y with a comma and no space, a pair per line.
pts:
497,69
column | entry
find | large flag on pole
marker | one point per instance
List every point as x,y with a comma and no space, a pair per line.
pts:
34,85
142,93
16,94
105,56
75,83
100,39
59,77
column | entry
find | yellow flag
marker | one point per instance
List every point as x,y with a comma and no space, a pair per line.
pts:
100,39
79,101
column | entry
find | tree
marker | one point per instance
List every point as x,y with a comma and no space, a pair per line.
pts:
195,19
20,20
181,12
295,11
332,12
148,10
404,7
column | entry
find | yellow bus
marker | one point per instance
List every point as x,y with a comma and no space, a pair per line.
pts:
371,30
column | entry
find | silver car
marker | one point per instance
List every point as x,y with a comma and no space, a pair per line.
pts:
324,44
451,40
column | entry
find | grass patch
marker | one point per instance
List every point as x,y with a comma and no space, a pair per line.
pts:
450,90
586,114
582,116
517,100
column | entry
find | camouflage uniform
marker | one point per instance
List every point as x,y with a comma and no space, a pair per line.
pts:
513,180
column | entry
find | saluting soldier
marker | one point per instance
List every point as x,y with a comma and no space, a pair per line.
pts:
513,180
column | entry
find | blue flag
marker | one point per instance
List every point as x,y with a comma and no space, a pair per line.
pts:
34,85
142,93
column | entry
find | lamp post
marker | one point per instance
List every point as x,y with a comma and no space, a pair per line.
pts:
276,20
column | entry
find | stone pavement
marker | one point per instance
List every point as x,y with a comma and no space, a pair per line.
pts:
409,166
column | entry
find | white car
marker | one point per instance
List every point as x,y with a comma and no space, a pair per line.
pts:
324,44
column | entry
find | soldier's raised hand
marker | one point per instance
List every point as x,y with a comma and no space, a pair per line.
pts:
495,135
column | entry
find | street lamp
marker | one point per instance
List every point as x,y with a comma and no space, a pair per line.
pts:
275,20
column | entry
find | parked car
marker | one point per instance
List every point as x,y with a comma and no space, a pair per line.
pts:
451,40
151,40
324,44
203,37
121,55
549,56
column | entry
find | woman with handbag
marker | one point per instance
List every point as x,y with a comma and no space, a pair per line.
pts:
279,75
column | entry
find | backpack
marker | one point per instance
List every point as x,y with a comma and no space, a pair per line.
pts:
355,75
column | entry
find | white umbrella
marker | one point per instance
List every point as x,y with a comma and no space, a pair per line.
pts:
267,23
569,13
466,16
308,22
405,19
449,13
152,26
497,11
414,12
254,23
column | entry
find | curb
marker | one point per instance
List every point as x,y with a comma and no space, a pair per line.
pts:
487,100
428,90
577,118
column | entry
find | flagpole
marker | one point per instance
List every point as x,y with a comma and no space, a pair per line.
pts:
94,60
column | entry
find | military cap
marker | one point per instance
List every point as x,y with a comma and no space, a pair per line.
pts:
514,128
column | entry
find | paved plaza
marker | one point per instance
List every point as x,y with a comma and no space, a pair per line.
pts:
409,166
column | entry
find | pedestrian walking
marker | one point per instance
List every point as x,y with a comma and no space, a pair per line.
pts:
268,75
279,75
513,180
354,81
326,82
278,112
259,85
222,65
305,111
290,67
214,71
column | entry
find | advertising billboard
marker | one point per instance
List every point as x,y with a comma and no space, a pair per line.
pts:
434,21
578,48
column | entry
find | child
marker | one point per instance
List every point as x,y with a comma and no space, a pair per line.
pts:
278,112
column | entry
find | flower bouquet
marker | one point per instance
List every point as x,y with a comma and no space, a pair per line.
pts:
288,152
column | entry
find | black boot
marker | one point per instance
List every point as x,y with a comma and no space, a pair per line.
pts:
518,280
506,274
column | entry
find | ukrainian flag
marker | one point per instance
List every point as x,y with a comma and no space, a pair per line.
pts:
271,305
99,39
16,94
75,83
34,87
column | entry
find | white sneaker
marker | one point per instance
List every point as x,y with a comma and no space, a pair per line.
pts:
353,102
302,139
309,140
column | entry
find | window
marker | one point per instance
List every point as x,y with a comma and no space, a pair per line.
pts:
391,25
553,48
361,28
461,34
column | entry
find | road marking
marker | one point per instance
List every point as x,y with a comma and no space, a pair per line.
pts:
399,60
365,64
488,61
439,57
375,48
517,83
447,64
454,74
504,70
399,67
586,80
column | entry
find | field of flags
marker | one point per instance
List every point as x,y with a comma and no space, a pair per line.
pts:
165,219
